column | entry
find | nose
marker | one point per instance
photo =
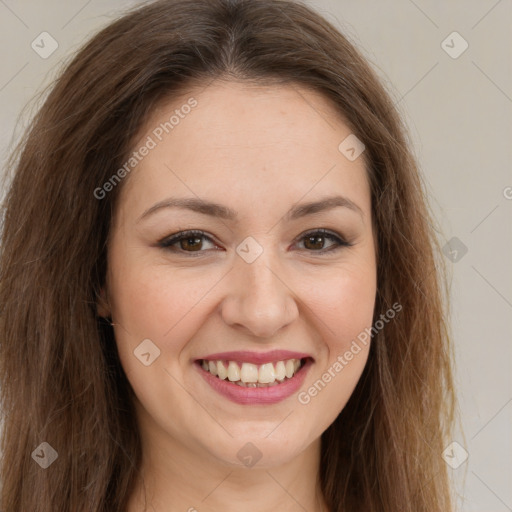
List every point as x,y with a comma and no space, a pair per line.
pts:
259,301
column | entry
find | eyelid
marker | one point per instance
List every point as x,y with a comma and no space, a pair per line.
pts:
341,240
167,242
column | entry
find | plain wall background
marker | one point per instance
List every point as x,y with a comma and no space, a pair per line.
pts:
459,113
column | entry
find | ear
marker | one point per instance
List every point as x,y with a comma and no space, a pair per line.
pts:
103,306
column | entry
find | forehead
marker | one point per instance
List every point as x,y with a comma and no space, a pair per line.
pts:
232,139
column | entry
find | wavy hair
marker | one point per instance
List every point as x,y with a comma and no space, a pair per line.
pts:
61,380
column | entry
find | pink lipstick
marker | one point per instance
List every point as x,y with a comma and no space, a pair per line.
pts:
249,384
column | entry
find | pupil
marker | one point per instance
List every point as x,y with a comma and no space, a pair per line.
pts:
190,241
316,240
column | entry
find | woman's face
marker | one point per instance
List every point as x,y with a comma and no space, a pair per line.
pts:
260,283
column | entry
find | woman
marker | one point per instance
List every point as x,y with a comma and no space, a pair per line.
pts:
298,360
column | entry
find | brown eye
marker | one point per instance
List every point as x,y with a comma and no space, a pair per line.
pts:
192,242
314,241
189,241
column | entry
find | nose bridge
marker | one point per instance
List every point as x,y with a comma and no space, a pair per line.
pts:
258,298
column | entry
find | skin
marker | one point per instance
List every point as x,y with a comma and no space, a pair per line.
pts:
258,150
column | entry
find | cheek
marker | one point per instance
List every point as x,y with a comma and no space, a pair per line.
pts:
344,301
155,302
344,308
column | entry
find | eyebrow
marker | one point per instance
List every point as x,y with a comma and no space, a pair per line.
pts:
223,212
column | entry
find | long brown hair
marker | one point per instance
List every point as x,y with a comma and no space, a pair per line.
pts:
60,376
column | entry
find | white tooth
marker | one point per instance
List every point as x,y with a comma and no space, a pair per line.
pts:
233,371
280,370
267,373
290,368
222,371
249,372
204,364
212,367
296,364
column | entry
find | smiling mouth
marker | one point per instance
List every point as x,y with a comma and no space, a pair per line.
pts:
251,375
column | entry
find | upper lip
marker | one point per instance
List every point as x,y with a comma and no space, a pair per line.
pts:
255,357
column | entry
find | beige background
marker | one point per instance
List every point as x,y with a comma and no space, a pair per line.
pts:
459,111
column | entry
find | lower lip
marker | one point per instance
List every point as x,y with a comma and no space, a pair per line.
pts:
267,395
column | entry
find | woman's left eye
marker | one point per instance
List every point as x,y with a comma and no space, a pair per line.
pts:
191,241
316,237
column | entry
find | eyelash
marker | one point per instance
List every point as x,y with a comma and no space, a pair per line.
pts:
167,243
